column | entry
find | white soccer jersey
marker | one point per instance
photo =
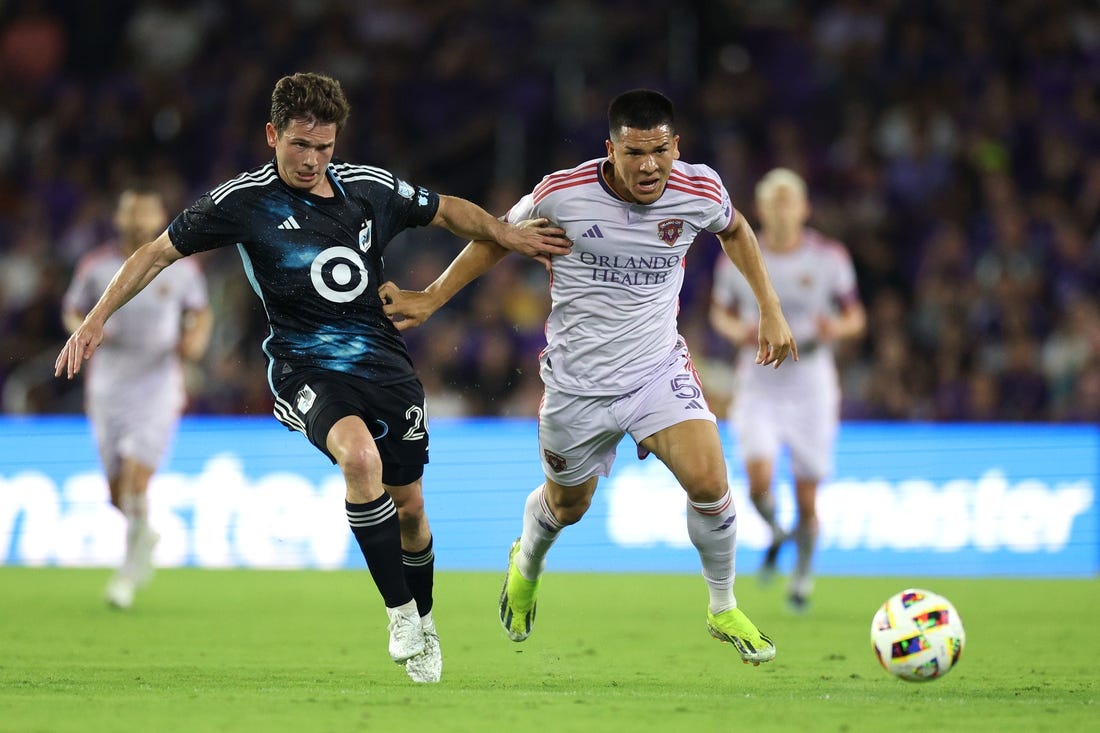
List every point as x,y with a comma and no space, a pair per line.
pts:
137,366
616,295
812,281
798,404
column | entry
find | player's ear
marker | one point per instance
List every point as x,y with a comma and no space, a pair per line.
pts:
272,135
610,150
675,147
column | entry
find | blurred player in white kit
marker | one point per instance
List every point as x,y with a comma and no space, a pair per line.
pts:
134,391
797,408
614,363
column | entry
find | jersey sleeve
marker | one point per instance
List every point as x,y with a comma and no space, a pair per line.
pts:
416,205
523,210
722,213
204,226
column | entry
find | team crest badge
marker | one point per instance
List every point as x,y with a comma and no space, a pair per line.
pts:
670,230
306,398
553,460
365,235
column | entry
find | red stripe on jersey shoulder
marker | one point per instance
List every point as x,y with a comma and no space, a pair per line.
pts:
578,180
701,181
556,178
693,190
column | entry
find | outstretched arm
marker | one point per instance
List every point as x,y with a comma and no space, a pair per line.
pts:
776,342
417,306
136,272
469,220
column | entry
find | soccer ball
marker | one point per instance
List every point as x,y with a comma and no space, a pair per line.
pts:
917,635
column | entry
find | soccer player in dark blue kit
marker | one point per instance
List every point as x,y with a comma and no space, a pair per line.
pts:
311,230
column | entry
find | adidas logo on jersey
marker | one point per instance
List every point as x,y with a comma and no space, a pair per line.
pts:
289,223
593,232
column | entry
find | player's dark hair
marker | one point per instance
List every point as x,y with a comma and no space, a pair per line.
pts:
639,109
316,98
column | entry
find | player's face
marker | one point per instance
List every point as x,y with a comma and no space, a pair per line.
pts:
302,152
783,211
139,218
641,161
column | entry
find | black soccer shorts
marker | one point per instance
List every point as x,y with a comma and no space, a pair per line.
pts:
311,401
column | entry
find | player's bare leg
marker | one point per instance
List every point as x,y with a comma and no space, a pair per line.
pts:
692,450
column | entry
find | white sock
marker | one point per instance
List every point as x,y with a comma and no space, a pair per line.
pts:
135,507
805,536
712,528
540,530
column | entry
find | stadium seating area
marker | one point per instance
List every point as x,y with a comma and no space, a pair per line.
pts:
954,147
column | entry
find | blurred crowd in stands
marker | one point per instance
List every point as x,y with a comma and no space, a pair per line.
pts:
954,147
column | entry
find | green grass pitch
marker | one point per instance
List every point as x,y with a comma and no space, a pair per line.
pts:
232,650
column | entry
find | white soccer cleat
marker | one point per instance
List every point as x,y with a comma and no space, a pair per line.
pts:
406,635
427,666
120,592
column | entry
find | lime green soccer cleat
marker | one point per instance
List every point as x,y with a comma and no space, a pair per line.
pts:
734,627
517,600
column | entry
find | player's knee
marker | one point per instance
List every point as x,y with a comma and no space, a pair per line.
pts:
705,486
569,508
361,464
570,515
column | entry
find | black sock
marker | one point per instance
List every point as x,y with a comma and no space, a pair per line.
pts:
420,576
378,533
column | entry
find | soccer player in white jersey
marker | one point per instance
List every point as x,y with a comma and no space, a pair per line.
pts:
134,392
796,408
614,363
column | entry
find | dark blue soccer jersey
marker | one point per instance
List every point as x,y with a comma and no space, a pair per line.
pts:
315,262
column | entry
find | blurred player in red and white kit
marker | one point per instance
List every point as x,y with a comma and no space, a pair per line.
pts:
134,392
614,363
798,408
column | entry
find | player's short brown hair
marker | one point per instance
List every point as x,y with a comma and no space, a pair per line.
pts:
317,98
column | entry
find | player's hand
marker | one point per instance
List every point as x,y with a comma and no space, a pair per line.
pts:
405,308
776,342
537,239
78,349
